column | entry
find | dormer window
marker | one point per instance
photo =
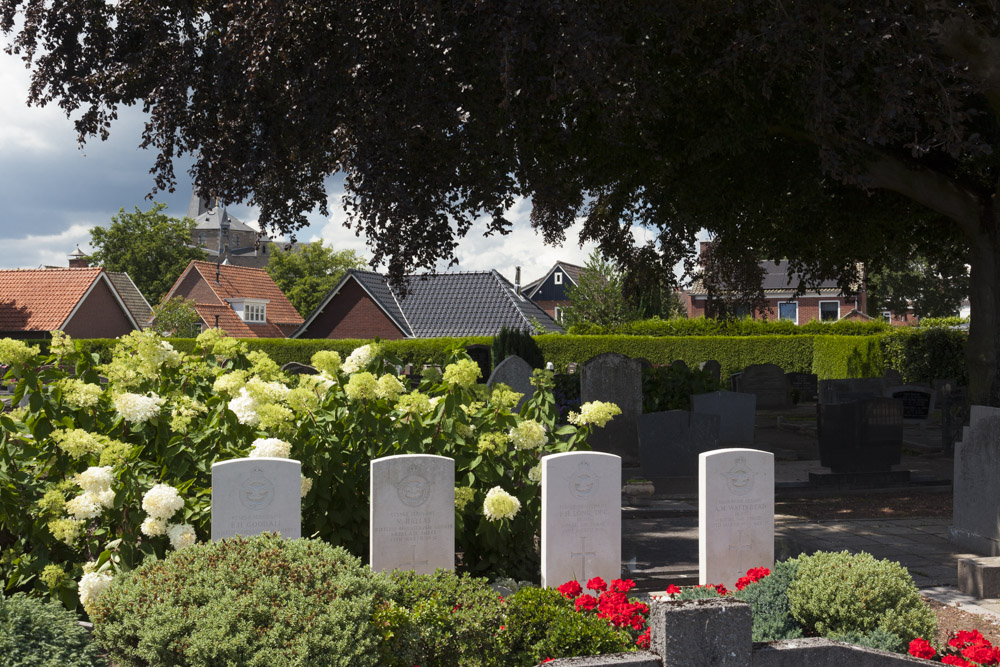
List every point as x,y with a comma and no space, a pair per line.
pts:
558,277
252,311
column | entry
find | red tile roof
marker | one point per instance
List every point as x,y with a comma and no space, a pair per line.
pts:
42,299
243,282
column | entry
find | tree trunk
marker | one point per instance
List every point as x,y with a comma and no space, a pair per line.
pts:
981,354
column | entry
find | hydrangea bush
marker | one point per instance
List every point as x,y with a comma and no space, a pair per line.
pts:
108,464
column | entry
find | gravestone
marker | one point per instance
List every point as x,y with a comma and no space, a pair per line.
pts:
736,381
736,412
735,514
670,442
514,372
892,377
257,495
713,367
679,365
617,379
644,363
768,383
976,494
861,436
412,518
481,354
918,402
581,517
295,368
806,384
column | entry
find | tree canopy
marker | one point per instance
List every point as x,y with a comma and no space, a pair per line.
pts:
836,134
151,247
308,273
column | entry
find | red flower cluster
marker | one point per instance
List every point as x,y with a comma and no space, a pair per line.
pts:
673,590
753,574
967,647
720,589
612,603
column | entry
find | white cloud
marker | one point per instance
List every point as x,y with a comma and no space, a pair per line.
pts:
23,127
32,251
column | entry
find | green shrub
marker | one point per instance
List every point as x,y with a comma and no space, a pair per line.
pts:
878,639
702,326
923,354
258,601
541,624
847,357
35,632
953,321
697,593
768,598
835,593
442,619
516,342
671,388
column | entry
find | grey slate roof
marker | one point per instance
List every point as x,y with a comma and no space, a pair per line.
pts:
131,297
449,304
776,281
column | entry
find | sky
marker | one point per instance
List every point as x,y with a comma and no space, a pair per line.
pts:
53,192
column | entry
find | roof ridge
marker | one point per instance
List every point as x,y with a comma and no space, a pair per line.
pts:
413,331
501,280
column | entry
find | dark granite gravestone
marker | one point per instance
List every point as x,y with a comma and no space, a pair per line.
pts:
615,378
768,383
976,492
481,355
860,436
670,442
516,373
806,384
295,368
713,367
736,412
679,364
918,402
892,377
644,363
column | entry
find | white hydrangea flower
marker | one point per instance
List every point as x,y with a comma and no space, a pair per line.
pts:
500,505
181,535
162,501
136,408
271,447
244,407
228,383
105,498
535,474
268,392
528,434
153,527
359,359
90,587
84,506
94,479
307,484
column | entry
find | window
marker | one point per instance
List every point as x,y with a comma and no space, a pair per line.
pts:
255,312
558,314
829,311
558,277
201,238
789,310
886,316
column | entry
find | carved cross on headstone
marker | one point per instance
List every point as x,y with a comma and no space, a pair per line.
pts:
741,544
413,558
583,554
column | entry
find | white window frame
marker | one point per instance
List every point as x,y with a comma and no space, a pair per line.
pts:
255,313
557,277
558,314
820,312
794,303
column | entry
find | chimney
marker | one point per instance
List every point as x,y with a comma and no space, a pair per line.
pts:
517,281
78,260
703,246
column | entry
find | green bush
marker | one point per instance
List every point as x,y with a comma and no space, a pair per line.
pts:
442,619
768,598
258,601
697,593
671,388
924,354
847,357
836,593
516,342
878,639
541,624
35,632
953,321
740,327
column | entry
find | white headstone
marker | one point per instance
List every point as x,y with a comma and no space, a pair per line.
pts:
412,519
735,514
257,495
581,517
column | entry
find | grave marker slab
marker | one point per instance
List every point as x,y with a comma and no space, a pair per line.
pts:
257,495
735,514
976,497
514,372
713,367
679,364
892,377
736,412
581,517
412,518
768,383
670,442
860,436
617,379
807,384
918,402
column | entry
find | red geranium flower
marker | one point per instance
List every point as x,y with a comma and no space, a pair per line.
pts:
963,638
585,602
622,585
643,640
954,660
673,590
597,584
921,648
570,589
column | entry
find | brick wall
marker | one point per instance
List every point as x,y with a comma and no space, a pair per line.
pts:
808,307
550,306
352,314
99,316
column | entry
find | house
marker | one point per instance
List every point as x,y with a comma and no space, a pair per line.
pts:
242,301
127,290
364,305
83,302
550,291
217,232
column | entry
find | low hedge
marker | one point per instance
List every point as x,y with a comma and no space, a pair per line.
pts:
701,326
